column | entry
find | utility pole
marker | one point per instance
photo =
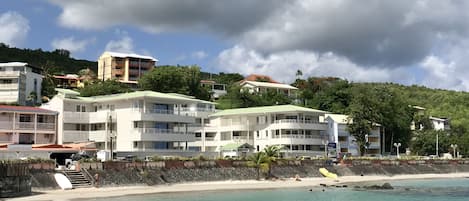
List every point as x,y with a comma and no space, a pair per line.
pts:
110,135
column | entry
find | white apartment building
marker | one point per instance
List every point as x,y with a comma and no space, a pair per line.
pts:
346,143
301,131
27,125
262,87
141,121
20,83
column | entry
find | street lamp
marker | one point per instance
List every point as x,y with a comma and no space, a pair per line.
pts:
397,145
454,146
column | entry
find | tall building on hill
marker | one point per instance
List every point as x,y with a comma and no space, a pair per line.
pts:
127,68
20,83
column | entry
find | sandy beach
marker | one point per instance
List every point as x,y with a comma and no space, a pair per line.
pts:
84,193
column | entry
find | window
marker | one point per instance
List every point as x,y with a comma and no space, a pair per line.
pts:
78,108
266,134
257,134
135,144
83,108
95,108
112,107
25,118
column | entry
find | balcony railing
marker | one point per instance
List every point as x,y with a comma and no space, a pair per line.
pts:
45,126
297,136
9,86
25,125
296,121
163,131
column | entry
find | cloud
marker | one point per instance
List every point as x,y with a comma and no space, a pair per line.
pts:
199,54
224,16
72,44
13,28
370,40
124,45
284,65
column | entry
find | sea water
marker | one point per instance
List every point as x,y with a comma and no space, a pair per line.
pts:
408,190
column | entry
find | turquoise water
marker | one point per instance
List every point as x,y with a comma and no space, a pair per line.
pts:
421,190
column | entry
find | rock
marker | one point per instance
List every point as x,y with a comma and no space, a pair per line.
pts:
387,186
325,185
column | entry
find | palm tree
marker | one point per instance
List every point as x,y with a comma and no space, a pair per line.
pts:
261,161
272,152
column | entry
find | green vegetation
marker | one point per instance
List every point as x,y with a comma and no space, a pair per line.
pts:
104,88
175,79
60,58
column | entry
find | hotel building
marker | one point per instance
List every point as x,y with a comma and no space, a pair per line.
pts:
300,131
141,121
127,68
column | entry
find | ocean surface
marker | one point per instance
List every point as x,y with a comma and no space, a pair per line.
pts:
407,190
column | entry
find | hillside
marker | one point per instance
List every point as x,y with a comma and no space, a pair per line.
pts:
58,58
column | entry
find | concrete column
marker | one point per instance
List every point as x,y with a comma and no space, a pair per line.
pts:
35,128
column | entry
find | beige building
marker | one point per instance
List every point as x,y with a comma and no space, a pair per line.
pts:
124,67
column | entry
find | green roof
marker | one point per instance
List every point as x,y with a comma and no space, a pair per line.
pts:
67,91
139,94
265,109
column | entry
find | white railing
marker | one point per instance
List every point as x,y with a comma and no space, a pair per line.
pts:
75,136
163,131
197,109
297,136
45,126
296,121
98,136
9,86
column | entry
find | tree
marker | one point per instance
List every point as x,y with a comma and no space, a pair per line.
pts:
363,114
259,160
104,88
272,152
228,78
175,79
48,82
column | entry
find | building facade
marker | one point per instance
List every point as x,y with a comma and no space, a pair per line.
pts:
20,83
263,87
27,125
300,131
141,121
345,142
127,68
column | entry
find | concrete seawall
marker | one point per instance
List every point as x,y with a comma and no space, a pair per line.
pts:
164,172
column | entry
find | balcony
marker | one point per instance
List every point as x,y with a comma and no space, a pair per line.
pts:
162,115
155,134
75,136
296,139
6,125
98,136
24,125
46,126
87,117
13,86
299,124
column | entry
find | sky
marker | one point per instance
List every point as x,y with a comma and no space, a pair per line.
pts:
423,42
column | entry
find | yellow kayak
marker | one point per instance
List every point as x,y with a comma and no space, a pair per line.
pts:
328,174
